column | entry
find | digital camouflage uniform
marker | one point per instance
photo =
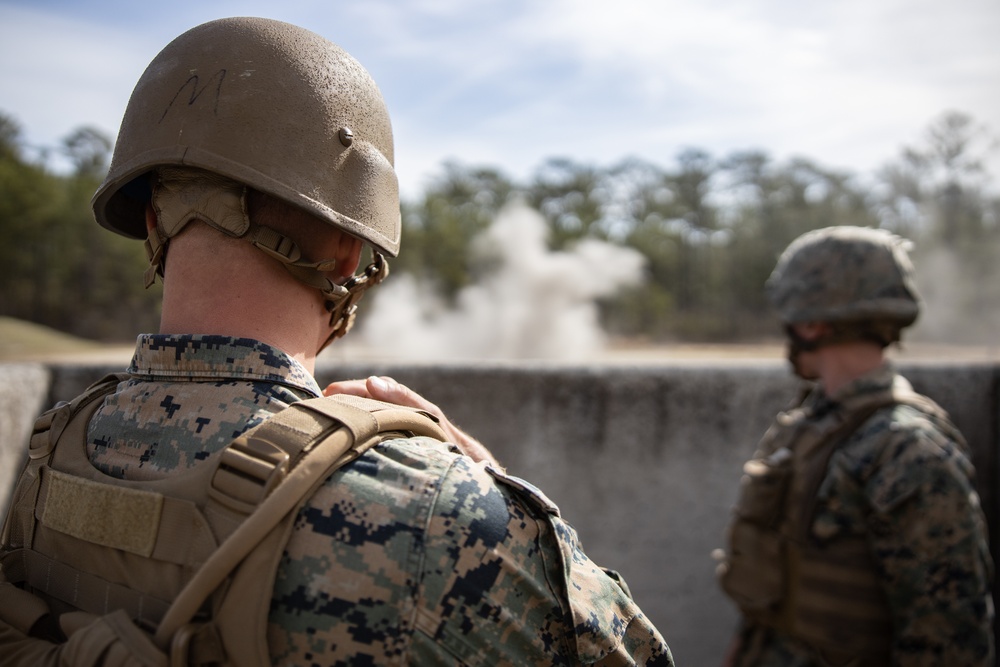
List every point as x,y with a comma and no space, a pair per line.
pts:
412,554
901,484
858,538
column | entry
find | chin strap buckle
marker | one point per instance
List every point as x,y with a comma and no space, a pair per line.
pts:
343,306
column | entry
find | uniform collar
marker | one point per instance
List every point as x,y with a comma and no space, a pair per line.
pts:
878,381
198,357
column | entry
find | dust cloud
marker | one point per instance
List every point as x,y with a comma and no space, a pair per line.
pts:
530,302
961,299
533,303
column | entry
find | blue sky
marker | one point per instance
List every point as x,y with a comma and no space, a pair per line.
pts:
509,83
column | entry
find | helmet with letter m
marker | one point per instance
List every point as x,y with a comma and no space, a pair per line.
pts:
263,105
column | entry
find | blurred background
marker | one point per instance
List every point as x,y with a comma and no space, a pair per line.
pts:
579,181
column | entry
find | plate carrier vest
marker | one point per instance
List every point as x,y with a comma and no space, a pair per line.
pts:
828,595
176,571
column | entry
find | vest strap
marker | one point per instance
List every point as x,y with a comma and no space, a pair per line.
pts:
340,428
79,589
214,533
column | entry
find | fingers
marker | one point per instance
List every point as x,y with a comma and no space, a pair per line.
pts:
388,390
350,387
382,389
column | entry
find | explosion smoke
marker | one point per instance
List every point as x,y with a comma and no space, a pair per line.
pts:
532,304
961,298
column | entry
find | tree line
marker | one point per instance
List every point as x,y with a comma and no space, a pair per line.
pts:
710,228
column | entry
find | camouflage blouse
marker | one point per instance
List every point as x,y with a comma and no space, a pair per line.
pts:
903,486
412,554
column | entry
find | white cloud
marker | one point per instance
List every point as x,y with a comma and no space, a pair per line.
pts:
509,83
59,74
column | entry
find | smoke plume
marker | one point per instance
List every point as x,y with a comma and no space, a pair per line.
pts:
961,297
532,303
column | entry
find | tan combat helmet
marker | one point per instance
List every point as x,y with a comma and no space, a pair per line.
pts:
846,275
274,107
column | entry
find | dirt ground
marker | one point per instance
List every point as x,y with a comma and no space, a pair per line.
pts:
24,342
622,354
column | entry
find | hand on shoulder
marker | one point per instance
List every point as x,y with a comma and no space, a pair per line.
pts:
383,388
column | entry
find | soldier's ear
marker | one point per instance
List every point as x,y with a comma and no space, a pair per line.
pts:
810,331
349,255
150,218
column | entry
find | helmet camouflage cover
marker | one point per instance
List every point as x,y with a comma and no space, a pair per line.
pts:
845,274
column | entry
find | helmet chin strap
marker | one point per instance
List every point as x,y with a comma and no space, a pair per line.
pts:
221,204
797,345
341,299
344,306
880,333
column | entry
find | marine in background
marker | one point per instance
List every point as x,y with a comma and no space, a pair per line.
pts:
858,538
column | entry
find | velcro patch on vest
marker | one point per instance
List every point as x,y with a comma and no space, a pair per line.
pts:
105,514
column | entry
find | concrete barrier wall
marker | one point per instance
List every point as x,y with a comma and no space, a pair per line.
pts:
643,460
24,391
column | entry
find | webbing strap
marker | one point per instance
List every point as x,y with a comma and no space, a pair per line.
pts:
829,444
838,603
833,583
831,441
79,589
283,249
255,463
355,415
274,468
20,608
346,428
250,533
